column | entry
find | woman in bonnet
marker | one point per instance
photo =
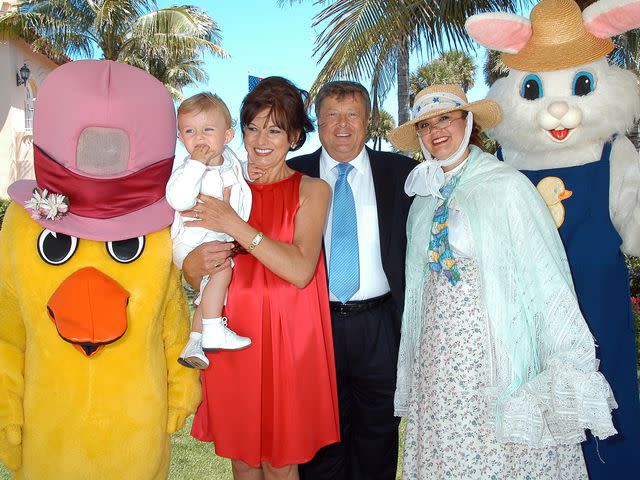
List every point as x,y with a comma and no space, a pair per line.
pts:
497,370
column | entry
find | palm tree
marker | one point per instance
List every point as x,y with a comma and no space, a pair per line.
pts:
627,55
627,52
373,38
450,67
379,128
167,42
584,3
494,68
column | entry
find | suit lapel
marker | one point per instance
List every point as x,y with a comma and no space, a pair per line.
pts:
384,198
311,165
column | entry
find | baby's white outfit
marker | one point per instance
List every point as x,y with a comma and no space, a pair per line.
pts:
186,183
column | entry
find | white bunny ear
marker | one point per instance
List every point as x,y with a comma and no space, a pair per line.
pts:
607,18
504,32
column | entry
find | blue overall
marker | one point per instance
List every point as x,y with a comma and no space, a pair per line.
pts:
601,280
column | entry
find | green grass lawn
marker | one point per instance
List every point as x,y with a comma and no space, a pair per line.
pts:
191,459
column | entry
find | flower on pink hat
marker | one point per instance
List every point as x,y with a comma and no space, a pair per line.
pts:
52,206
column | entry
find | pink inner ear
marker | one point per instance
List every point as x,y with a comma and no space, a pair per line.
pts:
605,24
504,32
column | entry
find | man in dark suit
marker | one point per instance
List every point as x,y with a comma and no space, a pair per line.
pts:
365,245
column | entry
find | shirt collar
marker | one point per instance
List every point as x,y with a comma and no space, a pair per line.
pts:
358,163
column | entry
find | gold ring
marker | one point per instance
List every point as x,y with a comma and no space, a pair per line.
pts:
197,215
216,265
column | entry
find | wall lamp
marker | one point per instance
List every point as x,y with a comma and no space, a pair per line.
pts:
23,75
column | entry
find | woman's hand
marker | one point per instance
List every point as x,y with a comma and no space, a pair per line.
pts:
294,261
214,214
254,172
206,259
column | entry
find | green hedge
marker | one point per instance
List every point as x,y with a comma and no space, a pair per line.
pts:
634,283
4,204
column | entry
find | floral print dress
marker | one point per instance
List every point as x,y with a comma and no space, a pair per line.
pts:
450,425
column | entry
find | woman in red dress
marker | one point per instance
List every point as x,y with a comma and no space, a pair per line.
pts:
272,405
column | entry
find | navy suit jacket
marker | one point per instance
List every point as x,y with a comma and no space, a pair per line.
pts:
389,171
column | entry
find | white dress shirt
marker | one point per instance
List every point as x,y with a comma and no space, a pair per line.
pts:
373,281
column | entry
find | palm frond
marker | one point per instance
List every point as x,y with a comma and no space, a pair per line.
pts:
361,38
627,51
53,32
453,67
168,42
176,29
494,68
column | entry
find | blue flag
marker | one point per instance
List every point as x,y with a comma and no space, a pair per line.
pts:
253,81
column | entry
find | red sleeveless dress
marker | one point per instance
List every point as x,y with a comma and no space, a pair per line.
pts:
276,400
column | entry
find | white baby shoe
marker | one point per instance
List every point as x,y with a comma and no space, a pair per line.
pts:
217,336
192,355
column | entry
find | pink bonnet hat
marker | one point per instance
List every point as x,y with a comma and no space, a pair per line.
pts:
104,137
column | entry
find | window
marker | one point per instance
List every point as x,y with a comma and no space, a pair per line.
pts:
29,105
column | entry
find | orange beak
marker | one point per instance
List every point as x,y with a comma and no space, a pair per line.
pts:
89,310
565,194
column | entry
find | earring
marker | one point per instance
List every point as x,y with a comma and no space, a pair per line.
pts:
293,145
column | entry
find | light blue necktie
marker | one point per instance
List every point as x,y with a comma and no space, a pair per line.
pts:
344,263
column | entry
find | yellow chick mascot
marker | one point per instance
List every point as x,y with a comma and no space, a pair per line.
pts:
93,315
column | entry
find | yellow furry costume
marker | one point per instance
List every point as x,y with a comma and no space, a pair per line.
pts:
104,409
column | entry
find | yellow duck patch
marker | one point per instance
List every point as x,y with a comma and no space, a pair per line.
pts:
97,396
553,192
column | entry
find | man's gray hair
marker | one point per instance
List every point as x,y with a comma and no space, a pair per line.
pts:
340,89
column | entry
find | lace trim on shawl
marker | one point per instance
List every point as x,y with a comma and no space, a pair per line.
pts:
568,395
410,330
556,407
420,214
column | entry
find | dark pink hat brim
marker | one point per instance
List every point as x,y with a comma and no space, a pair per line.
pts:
141,222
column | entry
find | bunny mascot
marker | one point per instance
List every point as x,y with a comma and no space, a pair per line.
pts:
565,113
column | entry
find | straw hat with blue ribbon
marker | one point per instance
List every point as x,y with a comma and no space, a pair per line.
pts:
438,100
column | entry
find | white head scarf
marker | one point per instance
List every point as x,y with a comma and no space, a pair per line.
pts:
428,177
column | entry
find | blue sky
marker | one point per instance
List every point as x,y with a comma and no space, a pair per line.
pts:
264,39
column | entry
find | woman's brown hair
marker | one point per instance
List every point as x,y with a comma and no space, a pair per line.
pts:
476,135
286,107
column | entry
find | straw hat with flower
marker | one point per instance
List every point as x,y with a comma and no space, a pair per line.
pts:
438,100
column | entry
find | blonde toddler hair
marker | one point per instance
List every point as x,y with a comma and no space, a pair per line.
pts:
205,101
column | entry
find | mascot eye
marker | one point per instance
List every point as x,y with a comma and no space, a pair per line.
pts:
56,248
531,87
583,84
126,251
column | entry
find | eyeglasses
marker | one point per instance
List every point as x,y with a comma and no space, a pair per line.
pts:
423,128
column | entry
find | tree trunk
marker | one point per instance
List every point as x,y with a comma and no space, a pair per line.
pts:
584,3
403,82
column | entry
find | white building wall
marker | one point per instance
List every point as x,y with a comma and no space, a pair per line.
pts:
16,139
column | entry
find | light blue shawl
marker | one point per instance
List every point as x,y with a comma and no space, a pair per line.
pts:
542,350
